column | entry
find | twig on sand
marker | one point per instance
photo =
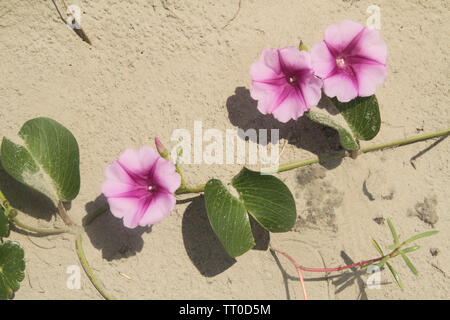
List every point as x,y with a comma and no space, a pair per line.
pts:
235,15
421,153
166,7
79,31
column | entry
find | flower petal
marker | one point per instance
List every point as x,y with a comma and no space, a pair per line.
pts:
323,61
291,107
266,95
115,172
117,189
160,206
268,66
138,162
126,208
292,59
339,36
370,47
311,89
165,175
340,85
369,76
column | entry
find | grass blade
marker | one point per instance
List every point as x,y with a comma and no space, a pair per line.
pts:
409,263
377,246
394,233
382,262
419,236
395,274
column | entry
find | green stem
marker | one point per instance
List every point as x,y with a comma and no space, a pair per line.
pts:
12,215
396,143
91,217
89,271
26,227
197,189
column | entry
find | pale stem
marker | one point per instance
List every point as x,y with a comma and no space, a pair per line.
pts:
88,270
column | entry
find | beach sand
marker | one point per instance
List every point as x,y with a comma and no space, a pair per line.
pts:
156,66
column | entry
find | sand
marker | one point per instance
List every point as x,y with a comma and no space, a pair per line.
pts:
156,66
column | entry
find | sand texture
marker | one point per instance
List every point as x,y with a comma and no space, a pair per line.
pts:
156,66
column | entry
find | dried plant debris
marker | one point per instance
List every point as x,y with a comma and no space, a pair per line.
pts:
435,251
426,211
379,220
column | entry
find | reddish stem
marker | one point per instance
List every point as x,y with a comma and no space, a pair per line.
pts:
300,268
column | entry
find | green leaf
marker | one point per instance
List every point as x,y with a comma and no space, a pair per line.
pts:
267,199
228,218
419,236
12,267
345,137
395,274
410,249
409,263
377,246
414,238
394,233
362,115
4,223
302,46
45,156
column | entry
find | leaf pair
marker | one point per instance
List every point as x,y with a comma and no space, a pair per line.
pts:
45,157
265,197
356,120
398,251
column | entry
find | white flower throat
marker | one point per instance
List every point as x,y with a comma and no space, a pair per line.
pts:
340,62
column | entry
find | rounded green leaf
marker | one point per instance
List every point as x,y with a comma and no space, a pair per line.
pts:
228,218
4,223
346,138
12,268
362,115
45,156
267,199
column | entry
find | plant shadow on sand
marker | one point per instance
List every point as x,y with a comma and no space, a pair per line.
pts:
108,234
202,245
303,133
26,199
341,281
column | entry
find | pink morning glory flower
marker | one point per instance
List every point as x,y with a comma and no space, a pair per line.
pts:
351,61
140,187
284,84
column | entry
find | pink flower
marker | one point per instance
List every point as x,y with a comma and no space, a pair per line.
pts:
140,187
351,61
284,84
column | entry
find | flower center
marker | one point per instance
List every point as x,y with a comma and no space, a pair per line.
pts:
340,62
292,79
151,188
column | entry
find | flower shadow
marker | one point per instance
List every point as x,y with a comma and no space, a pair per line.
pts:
107,233
303,133
202,245
26,199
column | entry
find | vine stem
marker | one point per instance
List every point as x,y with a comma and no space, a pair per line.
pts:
378,147
397,143
87,268
300,268
12,215
26,227
185,189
